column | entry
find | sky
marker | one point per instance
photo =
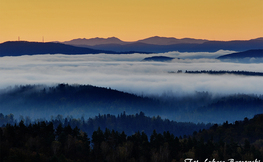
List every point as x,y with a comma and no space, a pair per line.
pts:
128,73
130,20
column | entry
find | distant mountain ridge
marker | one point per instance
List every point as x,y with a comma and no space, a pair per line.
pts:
166,44
94,41
114,45
171,40
245,54
156,40
18,48
29,48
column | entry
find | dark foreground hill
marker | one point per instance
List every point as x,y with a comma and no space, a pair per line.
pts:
257,53
233,139
239,131
42,142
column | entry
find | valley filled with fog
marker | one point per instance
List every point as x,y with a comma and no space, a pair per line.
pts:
185,97
128,73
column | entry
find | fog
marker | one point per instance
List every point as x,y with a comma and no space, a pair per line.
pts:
126,72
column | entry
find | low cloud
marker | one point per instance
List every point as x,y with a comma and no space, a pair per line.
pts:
246,60
198,55
127,73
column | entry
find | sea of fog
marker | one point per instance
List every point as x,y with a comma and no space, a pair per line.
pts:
126,72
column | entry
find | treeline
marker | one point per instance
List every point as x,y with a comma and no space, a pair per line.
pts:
127,123
232,103
39,101
240,131
234,106
43,101
248,73
41,142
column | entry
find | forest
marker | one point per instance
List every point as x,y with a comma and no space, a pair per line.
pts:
41,141
103,124
123,122
247,73
41,101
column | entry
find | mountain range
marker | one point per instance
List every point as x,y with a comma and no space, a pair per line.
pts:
18,48
156,40
114,45
158,44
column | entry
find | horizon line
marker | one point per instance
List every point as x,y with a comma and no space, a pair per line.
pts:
61,41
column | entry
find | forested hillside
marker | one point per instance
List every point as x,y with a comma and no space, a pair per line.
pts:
239,131
123,122
231,106
42,102
42,142
39,101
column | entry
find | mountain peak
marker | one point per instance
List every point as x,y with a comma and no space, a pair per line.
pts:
258,39
157,40
113,38
94,41
166,44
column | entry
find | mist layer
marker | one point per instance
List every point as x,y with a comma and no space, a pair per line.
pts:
128,73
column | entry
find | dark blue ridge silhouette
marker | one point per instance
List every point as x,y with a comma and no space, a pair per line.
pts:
209,46
18,48
220,72
257,53
158,58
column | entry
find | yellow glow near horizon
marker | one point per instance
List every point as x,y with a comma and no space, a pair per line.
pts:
128,20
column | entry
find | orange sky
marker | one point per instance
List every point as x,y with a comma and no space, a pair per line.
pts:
130,20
